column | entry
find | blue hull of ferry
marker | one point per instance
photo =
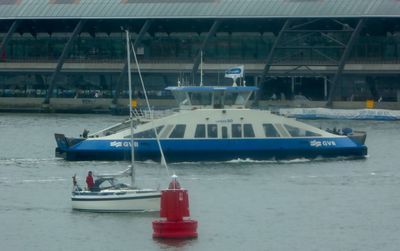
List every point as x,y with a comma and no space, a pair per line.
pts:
214,149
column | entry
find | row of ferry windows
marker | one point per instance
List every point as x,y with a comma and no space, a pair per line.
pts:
237,131
227,98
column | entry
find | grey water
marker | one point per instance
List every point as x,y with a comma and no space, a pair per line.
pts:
337,204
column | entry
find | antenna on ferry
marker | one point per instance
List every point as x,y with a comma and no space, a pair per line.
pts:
242,80
201,68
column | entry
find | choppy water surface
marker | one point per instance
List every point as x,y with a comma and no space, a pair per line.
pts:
240,205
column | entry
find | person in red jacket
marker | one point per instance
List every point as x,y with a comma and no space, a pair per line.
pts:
90,181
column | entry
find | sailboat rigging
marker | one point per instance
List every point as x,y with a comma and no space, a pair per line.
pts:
118,197
163,161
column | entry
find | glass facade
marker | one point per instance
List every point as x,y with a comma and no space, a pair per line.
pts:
184,47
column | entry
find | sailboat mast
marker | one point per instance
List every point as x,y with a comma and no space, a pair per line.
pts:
201,68
130,107
163,161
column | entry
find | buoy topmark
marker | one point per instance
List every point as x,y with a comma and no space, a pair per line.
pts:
174,207
174,184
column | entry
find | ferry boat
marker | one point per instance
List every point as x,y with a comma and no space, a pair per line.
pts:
214,123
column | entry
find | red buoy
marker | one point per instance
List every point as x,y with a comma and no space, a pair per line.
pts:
174,207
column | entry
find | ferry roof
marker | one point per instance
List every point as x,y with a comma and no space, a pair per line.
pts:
211,88
195,9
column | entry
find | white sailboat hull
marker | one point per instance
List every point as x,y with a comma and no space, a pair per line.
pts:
116,201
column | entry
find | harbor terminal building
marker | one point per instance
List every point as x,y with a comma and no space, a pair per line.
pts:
73,52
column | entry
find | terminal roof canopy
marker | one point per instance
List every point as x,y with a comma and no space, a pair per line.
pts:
144,9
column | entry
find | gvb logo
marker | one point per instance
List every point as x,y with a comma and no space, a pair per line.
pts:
118,144
234,71
315,143
318,143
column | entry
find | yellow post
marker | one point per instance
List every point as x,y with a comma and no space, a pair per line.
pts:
370,104
134,103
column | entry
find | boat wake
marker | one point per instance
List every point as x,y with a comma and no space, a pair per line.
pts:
300,160
48,180
271,161
6,180
25,160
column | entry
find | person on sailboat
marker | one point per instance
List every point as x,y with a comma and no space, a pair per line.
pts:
85,133
90,181
75,184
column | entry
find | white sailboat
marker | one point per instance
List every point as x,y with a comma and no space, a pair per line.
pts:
109,195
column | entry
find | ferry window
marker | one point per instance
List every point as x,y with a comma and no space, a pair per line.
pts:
293,131
178,132
248,131
200,131
241,98
224,132
270,131
218,104
282,131
230,98
212,131
312,134
166,131
181,98
236,130
159,129
198,98
146,134
297,132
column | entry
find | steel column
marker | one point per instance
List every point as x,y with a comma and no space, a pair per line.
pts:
61,60
9,34
272,51
343,60
123,73
210,33
292,86
270,59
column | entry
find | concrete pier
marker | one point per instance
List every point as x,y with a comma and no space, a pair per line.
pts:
175,66
102,105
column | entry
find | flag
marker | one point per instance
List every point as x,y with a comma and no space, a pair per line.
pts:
235,72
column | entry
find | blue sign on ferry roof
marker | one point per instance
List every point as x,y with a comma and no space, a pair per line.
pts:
212,88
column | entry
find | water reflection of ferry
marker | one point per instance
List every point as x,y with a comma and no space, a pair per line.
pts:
214,124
